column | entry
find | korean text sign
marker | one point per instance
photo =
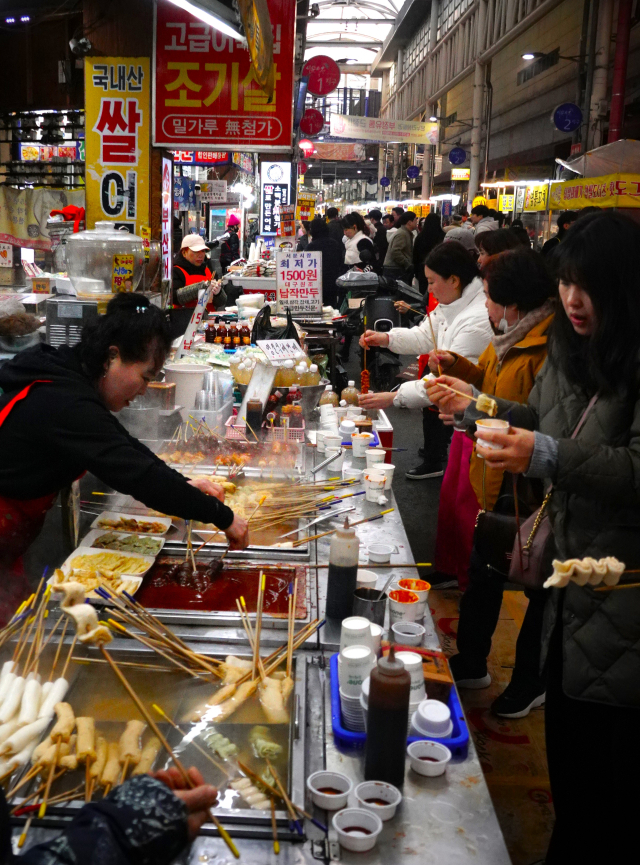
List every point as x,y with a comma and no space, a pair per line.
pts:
206,94
117,96
299,282
122,273
609,190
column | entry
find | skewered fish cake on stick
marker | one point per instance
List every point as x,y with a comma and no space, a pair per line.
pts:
130,750
70,761
148,756
111,770
65,724
584,572
31,699
13,699
55,695
23,736
86,745
272,702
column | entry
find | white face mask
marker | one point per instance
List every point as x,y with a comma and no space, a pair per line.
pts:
503,324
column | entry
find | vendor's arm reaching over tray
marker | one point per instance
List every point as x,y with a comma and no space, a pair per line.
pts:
56,422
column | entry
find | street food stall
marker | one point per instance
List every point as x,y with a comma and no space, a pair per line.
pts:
229,661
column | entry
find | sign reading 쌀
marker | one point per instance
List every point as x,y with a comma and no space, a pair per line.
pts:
206,94
299,282
117,99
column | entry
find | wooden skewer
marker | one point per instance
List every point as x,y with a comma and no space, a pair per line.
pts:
87,780
58,650
244,617
43,806
274,827
619,586
376,566
133,664
125,769
283,793
118,627
256,651
149,719
292,620
331,531
460,393
66,663
191,742
23,837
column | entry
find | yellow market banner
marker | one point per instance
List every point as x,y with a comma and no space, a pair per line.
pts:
611,190
536,197
117,122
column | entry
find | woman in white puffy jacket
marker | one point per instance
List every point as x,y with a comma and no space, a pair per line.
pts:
356,242
460,323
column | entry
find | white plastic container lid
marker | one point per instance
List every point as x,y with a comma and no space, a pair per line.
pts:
351,384
434,717
313,368
288,364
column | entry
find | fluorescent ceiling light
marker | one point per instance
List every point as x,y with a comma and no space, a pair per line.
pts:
213,13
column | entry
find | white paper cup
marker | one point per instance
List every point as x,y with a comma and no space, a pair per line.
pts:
355,631
387,470
421,588
360,443
428,758
351,474
354,665
374,486
381,553
320,434
408,633
491,423
366,579
332,440
413,664
341,413
375,456
328,412
376,636
329,801
337,462
378,790
354,818
403,606
433,718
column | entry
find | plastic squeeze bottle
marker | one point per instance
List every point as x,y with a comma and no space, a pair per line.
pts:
350,394
343,571
387,721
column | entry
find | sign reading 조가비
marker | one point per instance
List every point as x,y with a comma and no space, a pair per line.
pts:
299,282
207,93
376,129
122,273
117,105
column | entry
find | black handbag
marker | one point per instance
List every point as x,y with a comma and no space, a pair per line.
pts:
493,539
263,329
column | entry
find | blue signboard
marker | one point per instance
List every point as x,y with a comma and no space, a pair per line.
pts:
567,117
412,172
446,208
384,181
457,155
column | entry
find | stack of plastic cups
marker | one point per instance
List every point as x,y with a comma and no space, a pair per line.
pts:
413,664
354,666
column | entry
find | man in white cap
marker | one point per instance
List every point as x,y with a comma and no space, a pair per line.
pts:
190,274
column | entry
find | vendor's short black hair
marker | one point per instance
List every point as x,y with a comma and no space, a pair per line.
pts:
318,227
136,328
332,212
518,276
452,259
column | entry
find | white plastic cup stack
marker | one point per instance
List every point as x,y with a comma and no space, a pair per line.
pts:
354,666
356,631
432,719
413,664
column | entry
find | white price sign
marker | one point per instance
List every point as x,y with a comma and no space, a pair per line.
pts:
299,282
279,349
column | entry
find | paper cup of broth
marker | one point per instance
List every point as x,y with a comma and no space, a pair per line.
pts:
403,606
491,423
421,589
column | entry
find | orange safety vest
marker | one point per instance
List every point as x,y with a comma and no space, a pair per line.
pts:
191,279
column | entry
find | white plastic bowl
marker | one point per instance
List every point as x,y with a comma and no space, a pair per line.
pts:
408,633
439,754
379,790
357,817
329,801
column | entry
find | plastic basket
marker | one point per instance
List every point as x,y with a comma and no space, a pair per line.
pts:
457,742
274,434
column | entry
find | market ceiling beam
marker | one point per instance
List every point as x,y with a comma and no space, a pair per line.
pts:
320,20
331,43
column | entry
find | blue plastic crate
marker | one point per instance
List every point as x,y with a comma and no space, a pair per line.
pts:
457,742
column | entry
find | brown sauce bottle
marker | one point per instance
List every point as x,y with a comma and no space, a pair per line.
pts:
387,721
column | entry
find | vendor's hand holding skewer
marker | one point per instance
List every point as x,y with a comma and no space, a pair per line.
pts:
440,360
238,533
375,400
438,391
208,487
198,800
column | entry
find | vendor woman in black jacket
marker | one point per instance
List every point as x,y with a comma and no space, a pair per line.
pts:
56,423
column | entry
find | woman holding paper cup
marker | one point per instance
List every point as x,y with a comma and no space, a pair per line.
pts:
459,323
517,288
590,384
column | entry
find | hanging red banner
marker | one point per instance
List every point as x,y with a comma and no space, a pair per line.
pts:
206,94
